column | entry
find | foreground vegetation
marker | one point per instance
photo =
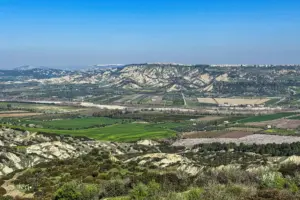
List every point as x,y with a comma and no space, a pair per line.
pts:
219,171
100,175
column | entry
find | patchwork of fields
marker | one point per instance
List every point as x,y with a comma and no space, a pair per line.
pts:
278,123
145,125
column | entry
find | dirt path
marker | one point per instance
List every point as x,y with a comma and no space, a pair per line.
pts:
280,101
11,189
289,117
183,97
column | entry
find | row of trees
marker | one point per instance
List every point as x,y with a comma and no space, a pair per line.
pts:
283,149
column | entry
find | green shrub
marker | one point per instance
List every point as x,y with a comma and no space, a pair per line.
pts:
234,190
272,180
153,189
2,191
89,192
175,196
103,176
114,188
146,192
139,192
6,198
95,174
194,193
289,169
275,194
88,179
75,191
223,192
68,191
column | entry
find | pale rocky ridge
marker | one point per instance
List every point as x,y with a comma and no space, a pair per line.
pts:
22,149
172,77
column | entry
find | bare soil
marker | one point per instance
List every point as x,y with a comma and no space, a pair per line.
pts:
246,129
278,123
24,114
217,134
250,139
203,134
11,189
210,118
235,134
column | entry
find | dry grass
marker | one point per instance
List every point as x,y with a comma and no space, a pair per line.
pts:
203,134
217,134
236,134
250,139
210,118
244,129
278,123
24,114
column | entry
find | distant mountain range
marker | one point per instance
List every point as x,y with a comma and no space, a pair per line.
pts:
74,68
165,76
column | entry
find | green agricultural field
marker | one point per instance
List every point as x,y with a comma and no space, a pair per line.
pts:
296,117
77,123
262,118
271,102
118,132
281,132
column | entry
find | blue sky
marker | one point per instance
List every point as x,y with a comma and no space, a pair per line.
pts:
87,32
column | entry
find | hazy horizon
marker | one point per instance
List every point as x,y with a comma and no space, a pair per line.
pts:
84,33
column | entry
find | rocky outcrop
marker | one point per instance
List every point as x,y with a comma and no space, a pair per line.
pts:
147,143
291,159
172,77
165,160
21,150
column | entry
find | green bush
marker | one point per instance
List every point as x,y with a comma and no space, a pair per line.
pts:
89,192
153,189
277,181
6,198
2,191
175,196
139,192
194,193
88,179
68,191
289,169
75,191
145,192
274,194
114,188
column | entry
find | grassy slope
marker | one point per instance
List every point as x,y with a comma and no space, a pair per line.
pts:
281,132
